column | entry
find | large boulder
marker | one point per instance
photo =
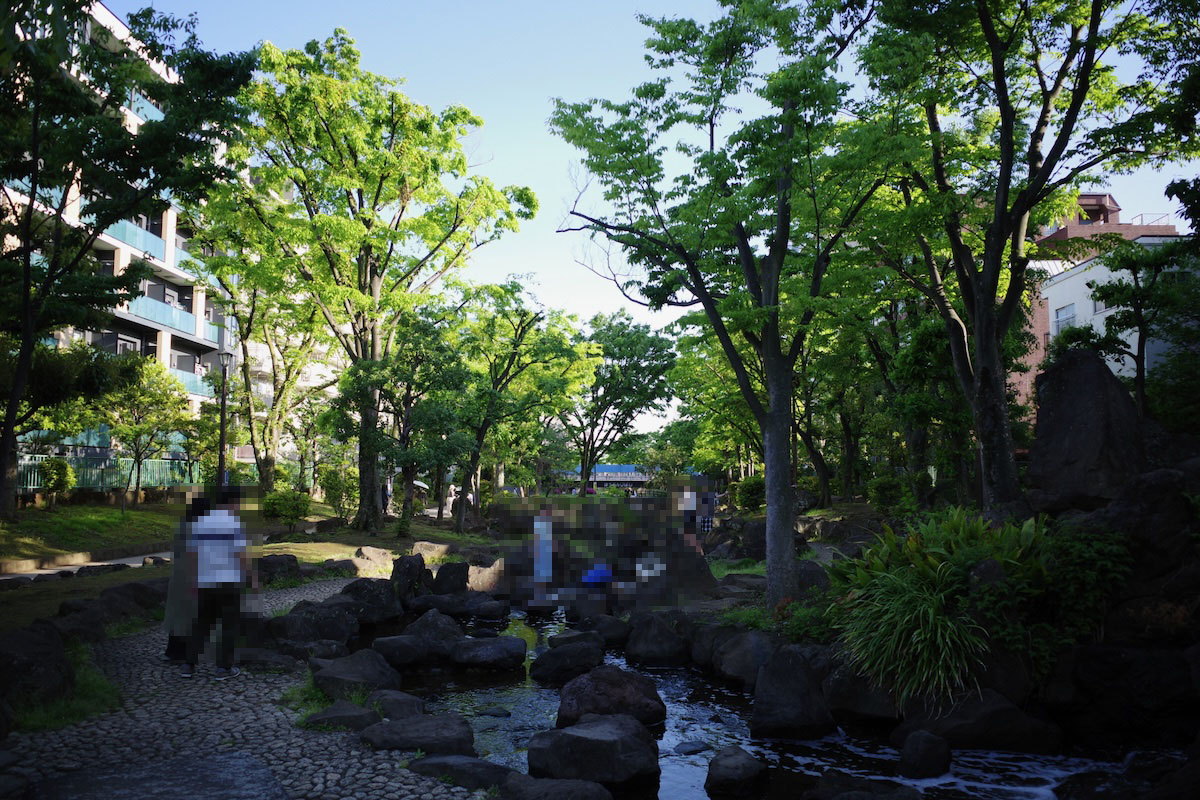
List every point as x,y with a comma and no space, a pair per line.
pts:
1089,439
451,578
34,665
740,657
376,555
465,771
924,755
560,664
984,721
615,631
523,787
433,551
707,639
407,572
393,704
402,651
788,699
437,734
147,595
611,690
377,597
487,579
653,642
310,622
812,579
364,671
343,714
439,631
575,637
1123,695
614,750
735,773
500,653
278,567
452,605
854,698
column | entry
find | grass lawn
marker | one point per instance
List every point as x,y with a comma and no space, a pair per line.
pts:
69,529
843,511
19,607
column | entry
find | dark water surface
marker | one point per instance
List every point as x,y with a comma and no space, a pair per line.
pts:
699,710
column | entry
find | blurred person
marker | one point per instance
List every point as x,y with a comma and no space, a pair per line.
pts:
219,556
180,612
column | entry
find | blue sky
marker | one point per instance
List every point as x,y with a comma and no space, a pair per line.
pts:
505,60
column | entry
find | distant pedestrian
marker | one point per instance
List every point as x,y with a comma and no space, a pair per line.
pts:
180,612
219,554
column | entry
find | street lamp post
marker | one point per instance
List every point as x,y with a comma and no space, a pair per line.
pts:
225,357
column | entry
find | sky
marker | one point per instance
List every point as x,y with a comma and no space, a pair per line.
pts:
506,60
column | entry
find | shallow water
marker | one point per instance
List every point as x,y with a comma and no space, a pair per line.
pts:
706,712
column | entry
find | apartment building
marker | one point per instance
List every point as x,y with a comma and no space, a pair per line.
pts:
1062,298
175,320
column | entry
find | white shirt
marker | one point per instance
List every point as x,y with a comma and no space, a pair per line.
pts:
218,539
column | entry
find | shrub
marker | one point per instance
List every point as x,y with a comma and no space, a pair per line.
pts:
287,505
751,493
917,614
340,486
59,476
885,493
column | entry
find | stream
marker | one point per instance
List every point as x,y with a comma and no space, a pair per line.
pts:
505,714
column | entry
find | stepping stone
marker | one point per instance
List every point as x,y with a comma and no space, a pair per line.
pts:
465,771
229,776
343,714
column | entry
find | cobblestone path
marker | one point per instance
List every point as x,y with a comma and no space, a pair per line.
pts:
166,716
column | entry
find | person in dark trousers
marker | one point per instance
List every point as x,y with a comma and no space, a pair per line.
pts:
219,554
181,602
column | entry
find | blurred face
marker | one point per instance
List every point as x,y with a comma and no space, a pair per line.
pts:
686,501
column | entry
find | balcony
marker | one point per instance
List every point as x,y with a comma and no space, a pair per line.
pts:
139,104
193,383
163,314
212,332
139,239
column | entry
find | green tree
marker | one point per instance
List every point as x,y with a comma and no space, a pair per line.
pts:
145,416
63,142
367,196
276,326
412,384
1011,107
523,364
745,215
631,377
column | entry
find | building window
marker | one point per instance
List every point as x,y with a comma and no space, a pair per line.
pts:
127,344
1064,318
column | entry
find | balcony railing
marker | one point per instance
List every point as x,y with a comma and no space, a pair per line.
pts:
160,312
139,239
193,382
212,332
139,104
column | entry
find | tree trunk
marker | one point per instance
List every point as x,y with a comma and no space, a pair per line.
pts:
460,519
266,470
408,475
497,479
8,432
781,512
1000,480
849,453
370,507
439,491
8,479
137,486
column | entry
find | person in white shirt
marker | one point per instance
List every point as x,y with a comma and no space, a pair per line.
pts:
219,556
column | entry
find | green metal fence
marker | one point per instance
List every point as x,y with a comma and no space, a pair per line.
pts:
110,473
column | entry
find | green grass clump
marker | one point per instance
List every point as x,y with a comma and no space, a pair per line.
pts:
305,698
919,613
796,621
93,694
745,566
